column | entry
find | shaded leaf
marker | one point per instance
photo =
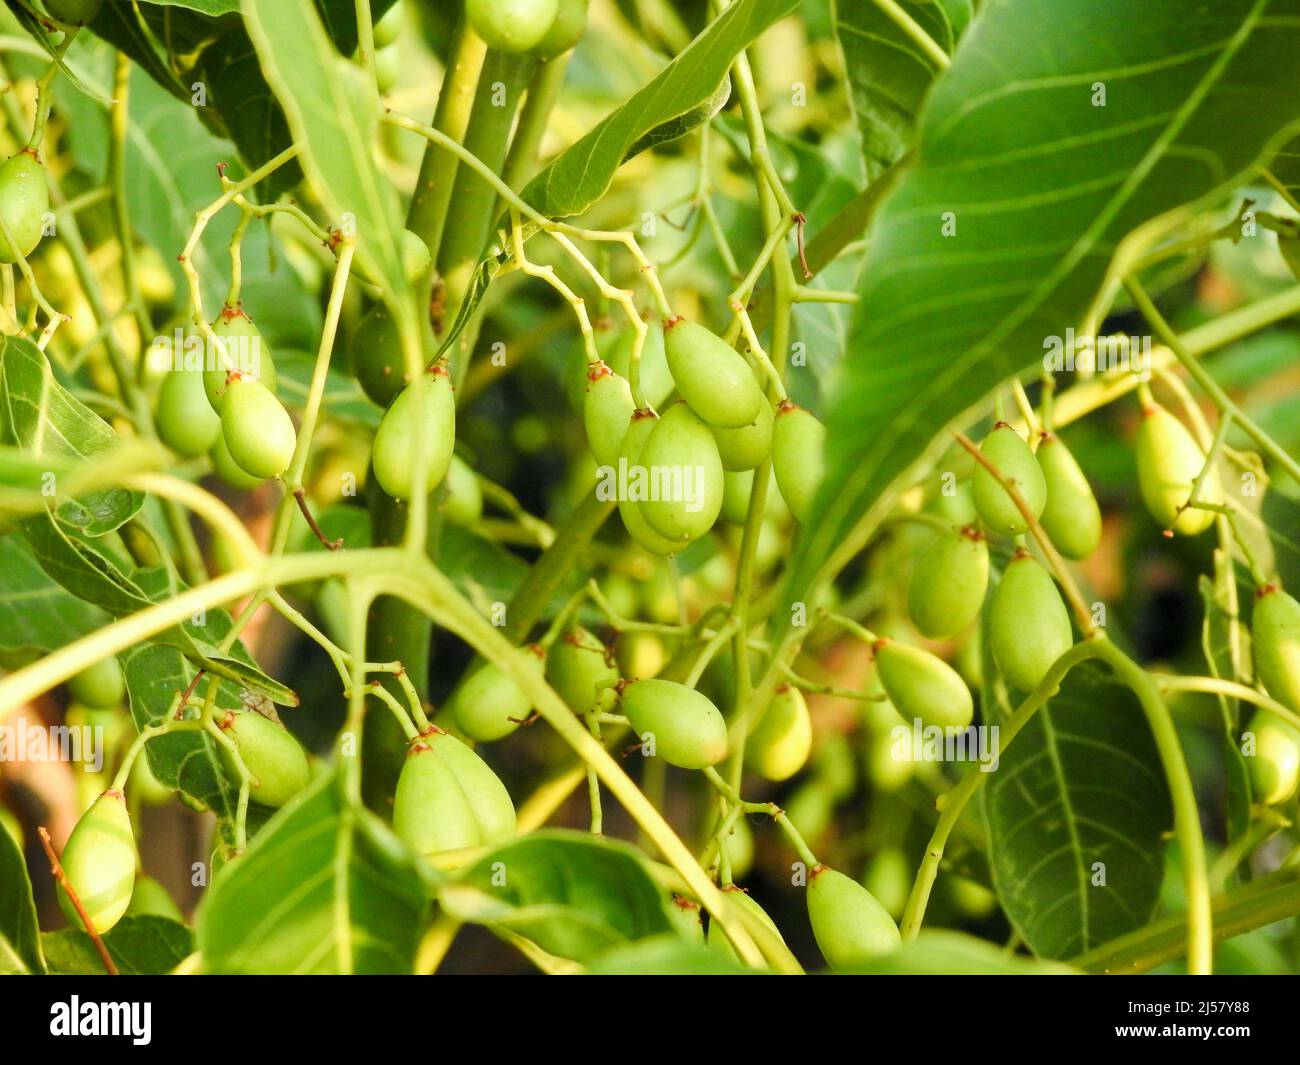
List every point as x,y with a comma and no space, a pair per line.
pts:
20,944
957,954
666,955
139,946
37,615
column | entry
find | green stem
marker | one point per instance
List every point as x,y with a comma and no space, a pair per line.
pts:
543,92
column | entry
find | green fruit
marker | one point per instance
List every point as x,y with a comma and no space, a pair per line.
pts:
736,490
656,379
389,28
512,25
395,440
388,70
889,879
413,252
639,429
606,410
463,504
1007,450
850,926
1028,625
948,583
747,447
74,12
99,685
923,687
566,31
147,787
100,862
276,762
493,810
798,457
711,375
779,745
1275,629
681,460
257,429
487,704
738,846
242,349
739,897
186,421
684,915
957,507
24,201
1275,766
229,470
582,671
1071,515
1169,460
687,729
431,811
377,359
151,899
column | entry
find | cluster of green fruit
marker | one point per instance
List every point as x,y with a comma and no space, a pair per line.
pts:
714,437
547,28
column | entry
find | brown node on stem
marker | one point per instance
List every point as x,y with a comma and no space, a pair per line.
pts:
786,406
1268,588
972,532
673,322
598,369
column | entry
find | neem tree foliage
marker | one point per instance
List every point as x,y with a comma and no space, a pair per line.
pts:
688,487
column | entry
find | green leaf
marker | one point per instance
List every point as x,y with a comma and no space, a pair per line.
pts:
40,416
1043,187
19,933
34,26
888,73
139,946
1286,168
666,955
573,896
324,888
1077,812
580,175
37,615
957,954
333,113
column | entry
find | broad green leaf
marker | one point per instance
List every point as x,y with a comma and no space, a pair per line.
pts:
1216,641
323,888
139,946
19,932
1042,185
37,615
1286,168
1077,812
957,954
888,73
665,955
36,28
39,415
573,896
333,113
580,176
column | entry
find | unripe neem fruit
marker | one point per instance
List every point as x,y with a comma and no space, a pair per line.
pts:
1275,635
1168,461
717,938
1071,515
798,457
948,583
493,810
582,671
640,426
150,898
736,490
1007,450
487,704
99,685
186,421
377,358
682,446
656,380
275,760
74,12
711,375
244,350
389,28
257,429
745,448
24,201
100,862
684,915
1028,624
779,745
225,467
922,686
606,409
393,454
566,31
688,730
850,926
1275,766
512,25
463,504
414,254
431,811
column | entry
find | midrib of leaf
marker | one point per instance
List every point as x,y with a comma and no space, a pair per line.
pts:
1076,844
